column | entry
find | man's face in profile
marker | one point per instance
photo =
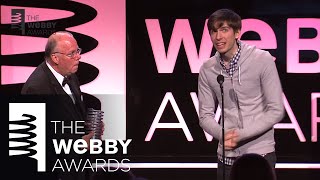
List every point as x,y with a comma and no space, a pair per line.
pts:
68,54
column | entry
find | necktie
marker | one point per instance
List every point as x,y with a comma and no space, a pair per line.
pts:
66,80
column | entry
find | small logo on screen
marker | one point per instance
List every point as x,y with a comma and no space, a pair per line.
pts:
18,20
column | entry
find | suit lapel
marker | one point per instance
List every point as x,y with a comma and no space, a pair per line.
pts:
66,101
77,94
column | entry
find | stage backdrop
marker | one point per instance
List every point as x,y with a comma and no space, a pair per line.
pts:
141,61
167,42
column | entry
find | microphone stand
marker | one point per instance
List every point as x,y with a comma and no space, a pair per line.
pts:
220,80
222,124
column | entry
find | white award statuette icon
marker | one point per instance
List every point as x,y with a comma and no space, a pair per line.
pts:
27,131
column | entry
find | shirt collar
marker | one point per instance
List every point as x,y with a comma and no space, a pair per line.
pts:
233,62
58,76
234,56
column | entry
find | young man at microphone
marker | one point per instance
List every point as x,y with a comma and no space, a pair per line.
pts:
252,94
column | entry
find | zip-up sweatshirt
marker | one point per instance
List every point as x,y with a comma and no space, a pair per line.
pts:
252,101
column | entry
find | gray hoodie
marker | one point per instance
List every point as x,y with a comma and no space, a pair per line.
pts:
252,100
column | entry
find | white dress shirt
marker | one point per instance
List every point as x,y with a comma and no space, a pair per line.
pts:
60,78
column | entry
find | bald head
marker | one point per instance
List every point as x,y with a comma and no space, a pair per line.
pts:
53,41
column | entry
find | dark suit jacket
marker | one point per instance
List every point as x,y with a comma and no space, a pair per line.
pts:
42,82
43,86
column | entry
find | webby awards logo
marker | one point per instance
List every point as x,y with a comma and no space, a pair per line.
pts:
18,20
31,25
27,136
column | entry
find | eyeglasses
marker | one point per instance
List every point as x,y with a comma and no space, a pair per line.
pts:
72,54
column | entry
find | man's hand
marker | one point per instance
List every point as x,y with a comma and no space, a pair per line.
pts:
231,139
102,124
87,138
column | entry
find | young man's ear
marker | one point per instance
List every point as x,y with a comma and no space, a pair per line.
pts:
237,34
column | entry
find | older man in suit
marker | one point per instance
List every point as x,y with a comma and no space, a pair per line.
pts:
55,81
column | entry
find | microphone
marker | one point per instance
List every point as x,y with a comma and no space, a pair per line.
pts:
220,79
